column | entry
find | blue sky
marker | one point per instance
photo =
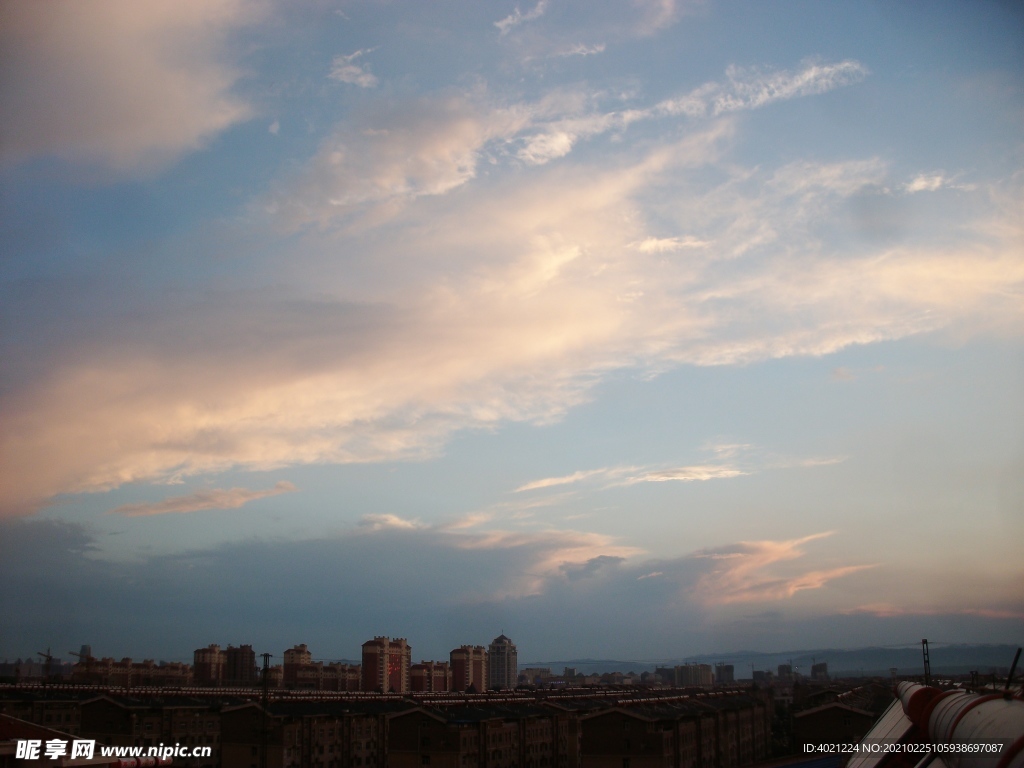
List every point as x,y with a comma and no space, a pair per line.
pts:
637,329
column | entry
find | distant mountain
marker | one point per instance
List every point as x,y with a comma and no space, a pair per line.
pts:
947,659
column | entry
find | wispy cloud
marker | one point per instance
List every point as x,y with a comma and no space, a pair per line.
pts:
218,498
435,146
383,522
743,89
668,244
932,182
575,477
724,467
581,50
745,572
517,17
696,472
345,70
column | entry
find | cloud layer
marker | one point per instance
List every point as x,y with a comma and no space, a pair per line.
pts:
494,304
122,85
552,593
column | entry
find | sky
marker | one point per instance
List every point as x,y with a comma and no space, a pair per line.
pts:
634,329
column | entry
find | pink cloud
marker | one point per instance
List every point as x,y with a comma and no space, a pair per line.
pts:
745,572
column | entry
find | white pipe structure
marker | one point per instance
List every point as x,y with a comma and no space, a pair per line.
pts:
980,731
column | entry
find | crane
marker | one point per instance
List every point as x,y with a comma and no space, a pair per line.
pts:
48,667
87,659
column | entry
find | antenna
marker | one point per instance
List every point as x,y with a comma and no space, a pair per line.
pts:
1009,677
927,662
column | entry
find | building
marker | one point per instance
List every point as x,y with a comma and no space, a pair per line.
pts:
503,664
307,734
819,672
835,723
386,665
694,676
430,677
724,674
207,665
295,659
240,666
524,735
14,730
122,721
469,668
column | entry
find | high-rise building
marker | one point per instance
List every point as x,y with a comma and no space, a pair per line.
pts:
294,660
208,665
819,671
386,664
430,676
724,674
694,676
502,663
469,668
240,666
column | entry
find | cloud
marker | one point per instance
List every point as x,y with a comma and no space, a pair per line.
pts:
744,89
387,521
651,575
123,85
685,474
424,149
575,477
668,244
434,146
632,475
481,304
218,498
843,374
932,182
574,571
517,17
579,49
744,572
417,583
344,70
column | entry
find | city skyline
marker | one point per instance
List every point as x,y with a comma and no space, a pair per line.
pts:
631,330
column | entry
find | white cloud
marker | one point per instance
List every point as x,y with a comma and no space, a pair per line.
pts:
517,17
550,482
232,498
689,474
720,470
124,85
428,148
435,145
345,70
382,522
932,182
579,49
668,244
